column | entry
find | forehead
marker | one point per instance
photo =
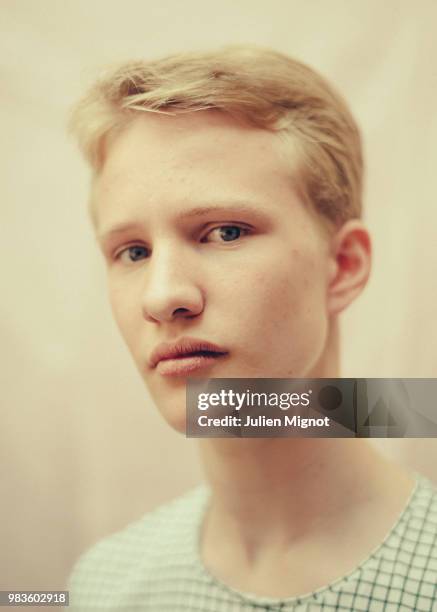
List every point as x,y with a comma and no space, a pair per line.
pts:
178,160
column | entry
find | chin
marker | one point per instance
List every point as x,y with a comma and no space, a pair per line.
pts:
172,408
176,418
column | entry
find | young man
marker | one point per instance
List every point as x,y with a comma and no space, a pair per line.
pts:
226,199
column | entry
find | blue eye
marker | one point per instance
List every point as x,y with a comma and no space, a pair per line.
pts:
134,253
227,233
230,232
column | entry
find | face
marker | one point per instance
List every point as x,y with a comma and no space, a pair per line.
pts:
206,239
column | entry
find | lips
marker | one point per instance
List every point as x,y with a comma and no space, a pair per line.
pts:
185,348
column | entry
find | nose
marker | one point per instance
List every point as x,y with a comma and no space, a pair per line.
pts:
170,291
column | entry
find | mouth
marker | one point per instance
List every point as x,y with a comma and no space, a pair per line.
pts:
188,363
184,356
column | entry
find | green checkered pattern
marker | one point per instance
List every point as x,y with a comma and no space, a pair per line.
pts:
154,565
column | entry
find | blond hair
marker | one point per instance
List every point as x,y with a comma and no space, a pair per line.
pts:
258,86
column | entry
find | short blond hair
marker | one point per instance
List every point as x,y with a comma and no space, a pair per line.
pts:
259,86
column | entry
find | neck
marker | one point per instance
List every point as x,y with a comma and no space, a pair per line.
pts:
268,492
328,364
268,488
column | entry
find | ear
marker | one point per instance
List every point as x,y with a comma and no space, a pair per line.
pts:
350,262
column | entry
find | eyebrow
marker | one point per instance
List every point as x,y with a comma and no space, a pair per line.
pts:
258,213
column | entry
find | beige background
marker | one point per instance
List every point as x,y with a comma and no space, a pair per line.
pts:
82,451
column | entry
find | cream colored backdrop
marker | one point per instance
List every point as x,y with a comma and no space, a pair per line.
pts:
82,449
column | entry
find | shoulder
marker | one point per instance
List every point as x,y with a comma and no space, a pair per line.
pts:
401,573
412,553
421,516
145,543
421,529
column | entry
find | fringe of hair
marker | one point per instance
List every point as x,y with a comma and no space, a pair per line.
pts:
261,87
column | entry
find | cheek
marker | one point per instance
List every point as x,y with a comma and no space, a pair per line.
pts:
270,289
125,310
288,312
293,288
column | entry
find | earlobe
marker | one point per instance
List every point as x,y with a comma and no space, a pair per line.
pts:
349,266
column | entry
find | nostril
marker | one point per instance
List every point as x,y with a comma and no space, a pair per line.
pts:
180,310
184,312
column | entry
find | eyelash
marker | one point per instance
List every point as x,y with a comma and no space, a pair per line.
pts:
244,232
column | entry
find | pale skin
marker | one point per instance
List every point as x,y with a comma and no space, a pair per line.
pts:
296,513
